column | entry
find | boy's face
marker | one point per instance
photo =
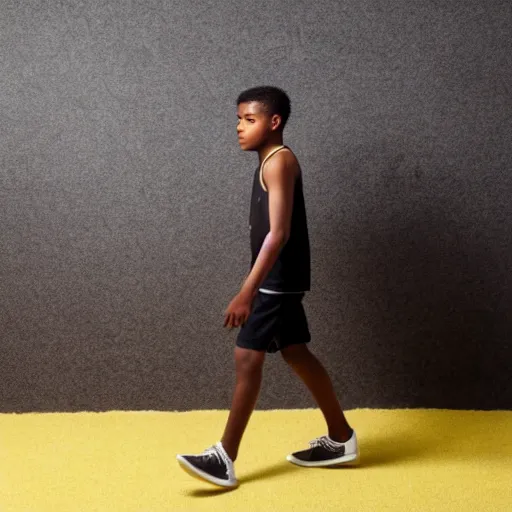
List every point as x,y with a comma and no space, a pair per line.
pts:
255,125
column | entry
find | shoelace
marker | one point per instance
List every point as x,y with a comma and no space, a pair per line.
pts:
218,454
324,442
214,453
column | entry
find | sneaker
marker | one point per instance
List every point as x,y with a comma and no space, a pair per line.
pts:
213,466
323,451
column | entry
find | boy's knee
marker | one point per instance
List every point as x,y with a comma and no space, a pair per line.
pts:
248,360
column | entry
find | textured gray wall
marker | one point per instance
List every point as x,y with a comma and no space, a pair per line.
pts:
124,198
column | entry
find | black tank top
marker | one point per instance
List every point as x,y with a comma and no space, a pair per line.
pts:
291,271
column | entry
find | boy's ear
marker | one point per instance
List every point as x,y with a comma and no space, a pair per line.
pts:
275,121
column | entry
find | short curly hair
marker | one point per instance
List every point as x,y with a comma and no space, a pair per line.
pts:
275,100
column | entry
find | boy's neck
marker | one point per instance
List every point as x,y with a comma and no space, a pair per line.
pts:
268,147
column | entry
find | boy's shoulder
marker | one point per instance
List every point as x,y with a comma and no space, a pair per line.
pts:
281,169
283,159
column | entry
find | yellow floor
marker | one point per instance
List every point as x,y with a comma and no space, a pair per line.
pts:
411,460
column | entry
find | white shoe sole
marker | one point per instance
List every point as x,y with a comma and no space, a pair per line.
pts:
203,476
349,459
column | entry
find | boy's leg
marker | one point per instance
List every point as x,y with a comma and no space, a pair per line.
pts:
340,446
316,378
249,369
215,464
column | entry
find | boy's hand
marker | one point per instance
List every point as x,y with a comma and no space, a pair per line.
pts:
238,310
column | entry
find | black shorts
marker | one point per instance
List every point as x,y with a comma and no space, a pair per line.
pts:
275,322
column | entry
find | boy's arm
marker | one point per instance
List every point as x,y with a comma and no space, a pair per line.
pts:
280,182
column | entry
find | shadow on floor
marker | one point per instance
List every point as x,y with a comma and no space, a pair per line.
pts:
263,473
